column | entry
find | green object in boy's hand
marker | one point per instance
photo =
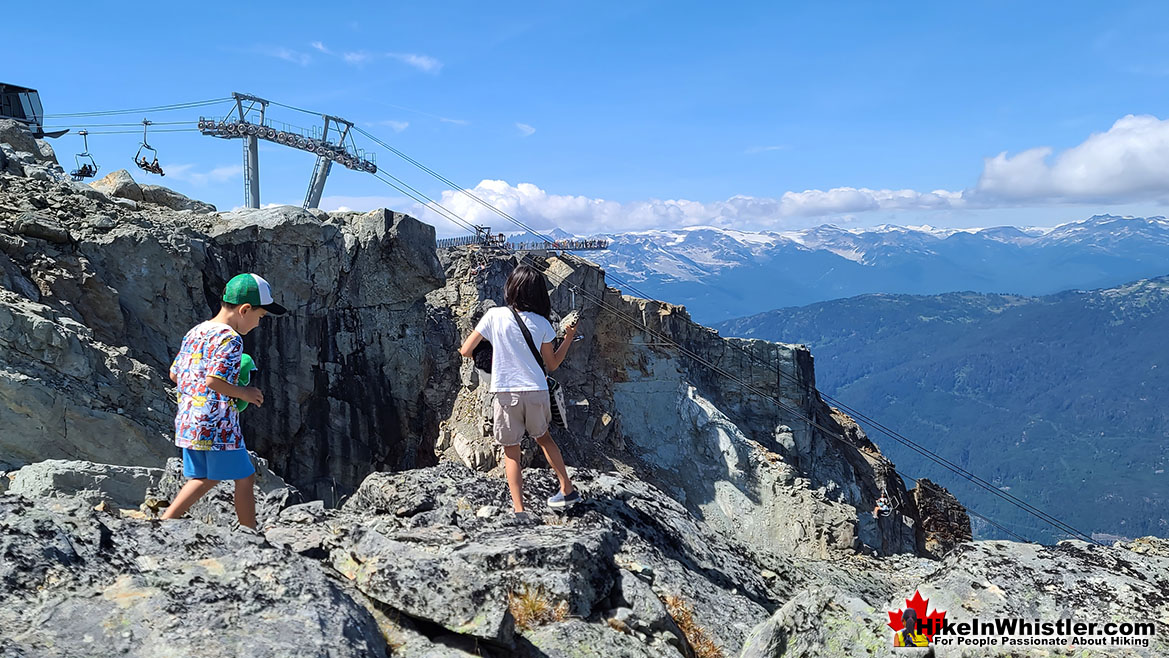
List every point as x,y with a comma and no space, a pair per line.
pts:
246,366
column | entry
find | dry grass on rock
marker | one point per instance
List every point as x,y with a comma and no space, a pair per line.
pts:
683,615
531,607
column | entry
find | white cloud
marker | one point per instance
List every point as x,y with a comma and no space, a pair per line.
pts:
187,173
814,203
525,129
580,214
457,122
396,126
1127,163
286,54
423,63
765,149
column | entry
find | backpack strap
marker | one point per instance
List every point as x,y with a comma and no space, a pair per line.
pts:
528,338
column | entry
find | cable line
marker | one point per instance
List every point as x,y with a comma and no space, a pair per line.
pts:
81,124
971,476
298,109
138,132
134,110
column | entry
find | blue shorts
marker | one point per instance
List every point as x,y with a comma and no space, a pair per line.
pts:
217,464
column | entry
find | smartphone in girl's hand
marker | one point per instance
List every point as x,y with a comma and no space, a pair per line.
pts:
569,320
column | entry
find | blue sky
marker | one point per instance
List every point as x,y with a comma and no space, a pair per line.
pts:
607,116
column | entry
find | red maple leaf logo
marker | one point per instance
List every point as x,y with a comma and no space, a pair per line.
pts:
930,623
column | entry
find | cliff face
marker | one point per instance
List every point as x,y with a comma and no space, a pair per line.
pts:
759,470
98,291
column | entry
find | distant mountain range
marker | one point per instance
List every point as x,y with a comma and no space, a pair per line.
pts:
1063,400
720,273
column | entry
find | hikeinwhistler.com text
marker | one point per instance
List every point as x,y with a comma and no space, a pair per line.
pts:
1018,632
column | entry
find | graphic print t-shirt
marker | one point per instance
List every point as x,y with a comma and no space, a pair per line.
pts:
207,420
513,367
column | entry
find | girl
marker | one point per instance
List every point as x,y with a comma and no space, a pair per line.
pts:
909,636
521,390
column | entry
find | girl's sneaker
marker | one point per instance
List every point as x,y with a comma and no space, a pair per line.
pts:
560,501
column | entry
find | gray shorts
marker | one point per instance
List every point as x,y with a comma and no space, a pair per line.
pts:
516,412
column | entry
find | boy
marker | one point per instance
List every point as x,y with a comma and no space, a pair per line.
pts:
207,424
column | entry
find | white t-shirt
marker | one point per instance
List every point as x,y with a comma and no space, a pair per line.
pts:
513,367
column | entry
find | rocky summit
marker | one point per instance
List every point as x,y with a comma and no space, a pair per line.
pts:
727,507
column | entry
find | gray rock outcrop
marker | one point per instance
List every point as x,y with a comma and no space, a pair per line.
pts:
82,583
409,566
122,486
945,524
97,296
164,196
120,184
23,155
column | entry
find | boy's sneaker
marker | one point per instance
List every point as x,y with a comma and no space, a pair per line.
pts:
560,501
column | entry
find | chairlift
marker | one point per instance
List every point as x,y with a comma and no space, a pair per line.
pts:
885,505
143,161
478,262
86,166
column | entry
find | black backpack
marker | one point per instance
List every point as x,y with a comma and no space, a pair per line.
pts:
482,355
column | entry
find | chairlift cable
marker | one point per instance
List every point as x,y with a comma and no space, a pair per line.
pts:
158,108
298,109
917,447
135,132
418,197
81,124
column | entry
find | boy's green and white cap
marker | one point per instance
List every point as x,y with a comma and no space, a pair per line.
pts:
252,289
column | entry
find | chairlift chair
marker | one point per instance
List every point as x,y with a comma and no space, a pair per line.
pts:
478,263
86,166
143,161
885,504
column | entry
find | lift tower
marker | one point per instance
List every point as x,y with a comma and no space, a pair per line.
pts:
251,149
237,124
316,184
240,122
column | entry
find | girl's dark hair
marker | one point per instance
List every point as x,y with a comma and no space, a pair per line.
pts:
526,290
909,618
